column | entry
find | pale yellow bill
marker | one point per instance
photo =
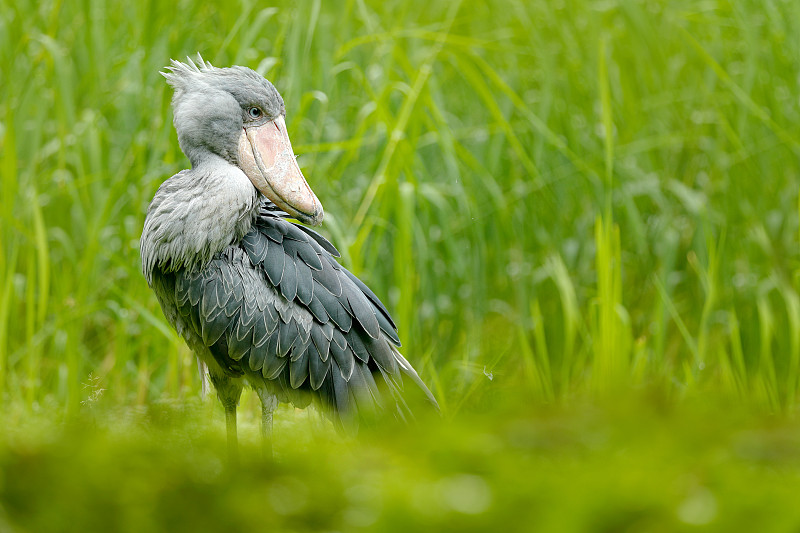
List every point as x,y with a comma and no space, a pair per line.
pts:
267,158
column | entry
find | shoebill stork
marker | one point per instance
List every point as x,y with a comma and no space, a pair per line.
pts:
259,299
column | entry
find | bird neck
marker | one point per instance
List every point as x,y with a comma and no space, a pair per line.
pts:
196,214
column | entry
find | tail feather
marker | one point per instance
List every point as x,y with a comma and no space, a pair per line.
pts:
408,370
348,402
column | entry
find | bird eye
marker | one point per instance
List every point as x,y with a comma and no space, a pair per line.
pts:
254,112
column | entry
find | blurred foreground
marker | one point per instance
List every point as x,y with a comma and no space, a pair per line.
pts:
638,464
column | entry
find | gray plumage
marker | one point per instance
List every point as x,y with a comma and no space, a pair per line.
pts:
259,299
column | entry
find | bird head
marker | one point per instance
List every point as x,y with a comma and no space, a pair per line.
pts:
236,114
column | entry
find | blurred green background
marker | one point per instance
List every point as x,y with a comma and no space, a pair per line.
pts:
583,215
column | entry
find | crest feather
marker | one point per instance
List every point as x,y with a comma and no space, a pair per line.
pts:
179,74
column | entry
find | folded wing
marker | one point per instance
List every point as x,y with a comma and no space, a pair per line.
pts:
278,306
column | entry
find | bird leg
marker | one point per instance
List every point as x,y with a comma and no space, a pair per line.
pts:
233,438
228,391
268,404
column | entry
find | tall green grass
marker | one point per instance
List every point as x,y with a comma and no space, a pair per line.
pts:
557,197
583,215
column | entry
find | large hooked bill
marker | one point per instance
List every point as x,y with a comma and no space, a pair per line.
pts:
267,158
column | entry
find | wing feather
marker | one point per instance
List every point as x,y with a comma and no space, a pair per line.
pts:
288,283
305,283
273,262
317,367
298,370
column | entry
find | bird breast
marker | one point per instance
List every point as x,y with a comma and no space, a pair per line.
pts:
196,214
